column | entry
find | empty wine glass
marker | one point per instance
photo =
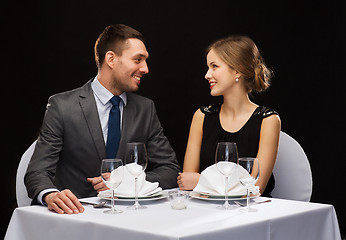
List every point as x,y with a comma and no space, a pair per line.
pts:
136,162
251,166
226,158
112,172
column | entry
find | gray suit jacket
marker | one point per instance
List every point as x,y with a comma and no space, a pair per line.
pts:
71,146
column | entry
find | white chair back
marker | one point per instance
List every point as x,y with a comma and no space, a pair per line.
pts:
292,172
21,193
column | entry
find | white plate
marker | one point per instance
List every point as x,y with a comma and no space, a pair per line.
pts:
156,196
107,193
210,197
153,193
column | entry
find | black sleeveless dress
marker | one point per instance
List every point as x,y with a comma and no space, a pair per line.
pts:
247,138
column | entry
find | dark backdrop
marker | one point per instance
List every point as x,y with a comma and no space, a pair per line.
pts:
48,48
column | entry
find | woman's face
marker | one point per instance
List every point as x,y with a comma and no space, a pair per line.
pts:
219,75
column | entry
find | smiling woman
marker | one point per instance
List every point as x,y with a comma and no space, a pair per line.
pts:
235,68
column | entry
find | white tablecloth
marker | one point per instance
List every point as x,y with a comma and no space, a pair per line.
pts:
277,220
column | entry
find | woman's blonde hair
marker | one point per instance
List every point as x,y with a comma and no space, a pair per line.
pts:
241,54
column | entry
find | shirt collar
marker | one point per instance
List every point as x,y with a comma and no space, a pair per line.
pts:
103,94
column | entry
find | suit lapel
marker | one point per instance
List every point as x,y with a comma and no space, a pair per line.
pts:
88,105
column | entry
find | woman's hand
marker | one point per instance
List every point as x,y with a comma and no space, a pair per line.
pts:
188,180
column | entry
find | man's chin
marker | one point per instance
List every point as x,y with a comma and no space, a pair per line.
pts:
133,89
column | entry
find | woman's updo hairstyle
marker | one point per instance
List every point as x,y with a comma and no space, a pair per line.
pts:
241,54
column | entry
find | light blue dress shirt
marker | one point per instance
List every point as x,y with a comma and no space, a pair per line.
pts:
102,98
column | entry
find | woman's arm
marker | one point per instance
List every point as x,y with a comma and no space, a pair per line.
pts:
190,176
268,148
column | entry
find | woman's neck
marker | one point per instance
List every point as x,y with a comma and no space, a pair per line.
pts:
237,104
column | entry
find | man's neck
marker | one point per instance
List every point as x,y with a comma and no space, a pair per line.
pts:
105,80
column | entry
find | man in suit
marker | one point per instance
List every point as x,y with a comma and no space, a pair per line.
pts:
74,137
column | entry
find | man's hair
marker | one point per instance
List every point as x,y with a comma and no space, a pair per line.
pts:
113,38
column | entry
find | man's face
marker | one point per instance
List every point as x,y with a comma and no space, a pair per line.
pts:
130,66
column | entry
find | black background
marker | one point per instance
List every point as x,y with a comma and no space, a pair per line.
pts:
47,48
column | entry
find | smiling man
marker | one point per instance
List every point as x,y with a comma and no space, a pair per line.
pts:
83,126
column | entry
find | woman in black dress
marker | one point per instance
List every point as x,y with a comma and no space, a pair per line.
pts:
236,68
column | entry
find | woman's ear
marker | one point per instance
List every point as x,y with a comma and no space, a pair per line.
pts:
237,74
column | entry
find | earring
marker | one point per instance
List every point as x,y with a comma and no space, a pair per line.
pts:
237,80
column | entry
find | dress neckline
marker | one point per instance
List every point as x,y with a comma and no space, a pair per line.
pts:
242,127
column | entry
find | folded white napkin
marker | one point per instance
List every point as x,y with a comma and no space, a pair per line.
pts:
212,181
127,186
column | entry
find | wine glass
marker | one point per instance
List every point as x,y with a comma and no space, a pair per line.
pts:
136,162
251,166
226,158
112,172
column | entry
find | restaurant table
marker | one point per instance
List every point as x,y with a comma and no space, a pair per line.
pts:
275,220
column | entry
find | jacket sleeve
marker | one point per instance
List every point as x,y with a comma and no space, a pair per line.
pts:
162,164
41,169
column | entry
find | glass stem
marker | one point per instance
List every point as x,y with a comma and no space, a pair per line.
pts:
112,201
247,198
136,192
226,190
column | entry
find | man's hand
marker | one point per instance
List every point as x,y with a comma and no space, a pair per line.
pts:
97,184
63,202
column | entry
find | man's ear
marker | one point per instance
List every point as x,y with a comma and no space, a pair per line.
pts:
111,59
